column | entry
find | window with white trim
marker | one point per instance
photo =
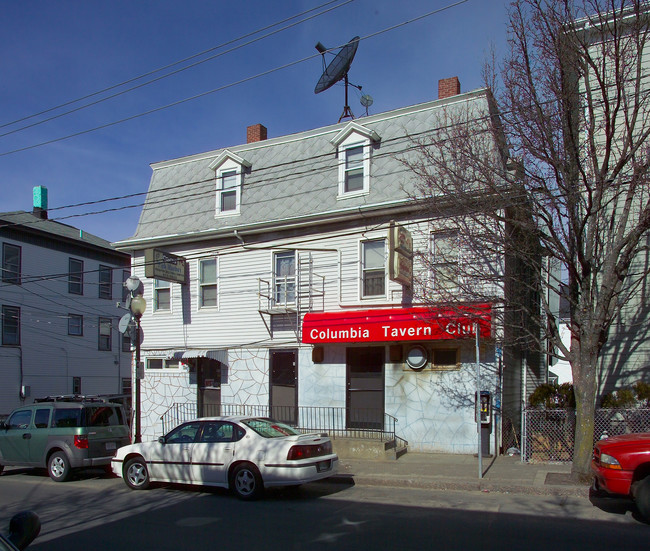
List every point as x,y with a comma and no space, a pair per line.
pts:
354,167
228,191
162,296
284,277
208,283
354,145
163,363
373,268
445,256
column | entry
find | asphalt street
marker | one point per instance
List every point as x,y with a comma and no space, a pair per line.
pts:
98,512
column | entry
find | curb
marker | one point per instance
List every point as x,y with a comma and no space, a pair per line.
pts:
485,485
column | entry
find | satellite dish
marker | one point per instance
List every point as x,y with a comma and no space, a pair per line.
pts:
338,70
125,321
366,100
338,67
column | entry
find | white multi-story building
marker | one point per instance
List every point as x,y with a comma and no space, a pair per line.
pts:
58,294
294,293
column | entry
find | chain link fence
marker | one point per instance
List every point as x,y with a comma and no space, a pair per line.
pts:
548,434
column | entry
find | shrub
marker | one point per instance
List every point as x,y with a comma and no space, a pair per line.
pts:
552,396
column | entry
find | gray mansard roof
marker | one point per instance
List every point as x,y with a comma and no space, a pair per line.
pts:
291,180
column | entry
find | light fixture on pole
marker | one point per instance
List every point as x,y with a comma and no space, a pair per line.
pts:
137,305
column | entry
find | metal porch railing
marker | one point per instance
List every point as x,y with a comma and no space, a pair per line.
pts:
337,422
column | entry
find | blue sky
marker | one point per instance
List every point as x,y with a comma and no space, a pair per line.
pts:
56,52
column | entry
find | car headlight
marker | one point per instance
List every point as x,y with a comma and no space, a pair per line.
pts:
609,462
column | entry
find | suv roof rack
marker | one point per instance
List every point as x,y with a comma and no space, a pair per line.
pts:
71,398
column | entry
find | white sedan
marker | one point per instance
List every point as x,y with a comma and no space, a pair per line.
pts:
245,454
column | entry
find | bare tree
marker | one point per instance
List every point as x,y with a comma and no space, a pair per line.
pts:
572,190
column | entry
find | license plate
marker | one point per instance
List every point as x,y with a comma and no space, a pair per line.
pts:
111,446
324,465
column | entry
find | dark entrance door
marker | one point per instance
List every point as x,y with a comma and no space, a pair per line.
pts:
209,387
283,384
365,387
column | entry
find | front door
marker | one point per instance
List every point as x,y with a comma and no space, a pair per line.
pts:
209,387
283,386
365,387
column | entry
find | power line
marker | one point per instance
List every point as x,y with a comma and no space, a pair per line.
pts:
85,106
169,66
224,87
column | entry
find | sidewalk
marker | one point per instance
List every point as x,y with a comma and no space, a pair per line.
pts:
503,474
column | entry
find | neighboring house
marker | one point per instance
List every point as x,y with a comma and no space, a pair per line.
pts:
58,295
296,294
620,90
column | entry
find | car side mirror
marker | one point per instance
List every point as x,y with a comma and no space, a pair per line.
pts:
161,440
23,528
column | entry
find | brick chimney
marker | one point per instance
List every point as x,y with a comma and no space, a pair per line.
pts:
255,133
448,87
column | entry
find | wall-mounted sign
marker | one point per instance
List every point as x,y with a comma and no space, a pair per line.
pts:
398,324
400,254
165,266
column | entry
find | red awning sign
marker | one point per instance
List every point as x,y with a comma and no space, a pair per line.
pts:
398,324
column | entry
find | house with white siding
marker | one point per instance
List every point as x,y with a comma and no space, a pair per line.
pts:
296,298
58,294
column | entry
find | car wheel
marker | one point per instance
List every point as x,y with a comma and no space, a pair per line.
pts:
246,482
58,467
642,498
136,474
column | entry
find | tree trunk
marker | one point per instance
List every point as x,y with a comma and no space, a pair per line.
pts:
584,377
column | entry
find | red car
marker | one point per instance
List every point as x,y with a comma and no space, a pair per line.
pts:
621,466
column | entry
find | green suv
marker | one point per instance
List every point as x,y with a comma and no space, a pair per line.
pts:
63,433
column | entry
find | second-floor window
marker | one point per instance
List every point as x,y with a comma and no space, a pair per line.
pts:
10,325
75,277
105,282
373,268
11,263
445,254
162,299
208,282
75,325
284,277
105,341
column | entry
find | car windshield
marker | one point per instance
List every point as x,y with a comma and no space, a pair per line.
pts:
269,428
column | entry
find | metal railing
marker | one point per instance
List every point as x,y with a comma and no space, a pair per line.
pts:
335,421
548,434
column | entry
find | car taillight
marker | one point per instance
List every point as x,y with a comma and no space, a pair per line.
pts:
305,452
81,442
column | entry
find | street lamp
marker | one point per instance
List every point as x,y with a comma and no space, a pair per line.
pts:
137,306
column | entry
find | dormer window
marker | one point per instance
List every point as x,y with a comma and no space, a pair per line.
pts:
229,170
354,169
354,146
229,191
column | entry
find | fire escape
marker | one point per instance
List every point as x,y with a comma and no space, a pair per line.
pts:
283,301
